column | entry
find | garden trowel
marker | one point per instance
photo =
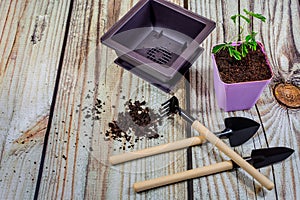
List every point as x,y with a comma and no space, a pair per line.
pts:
259,158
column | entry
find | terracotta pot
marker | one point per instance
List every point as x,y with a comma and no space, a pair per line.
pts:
242,95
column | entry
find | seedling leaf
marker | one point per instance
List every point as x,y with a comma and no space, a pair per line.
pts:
253,34
256,15
245,18
217,48
234,53
252,45
234,18
248,38
237,55
244,50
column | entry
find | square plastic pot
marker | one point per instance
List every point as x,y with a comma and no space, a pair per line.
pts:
238,96
158,40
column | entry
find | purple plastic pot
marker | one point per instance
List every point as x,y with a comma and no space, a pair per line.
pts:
158,41
238,96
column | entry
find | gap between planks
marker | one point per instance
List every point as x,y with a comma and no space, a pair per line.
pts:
53,102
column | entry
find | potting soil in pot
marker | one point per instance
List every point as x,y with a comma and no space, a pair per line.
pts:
253,67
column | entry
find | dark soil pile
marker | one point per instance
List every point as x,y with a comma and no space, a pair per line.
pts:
253,67
138,120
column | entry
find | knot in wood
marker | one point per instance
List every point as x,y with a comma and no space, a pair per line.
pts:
287,95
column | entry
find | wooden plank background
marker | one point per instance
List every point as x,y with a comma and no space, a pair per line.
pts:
53,70
267,111
76,159
31,36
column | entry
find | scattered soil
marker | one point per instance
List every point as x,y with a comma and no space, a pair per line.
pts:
137,120
253,67
98,109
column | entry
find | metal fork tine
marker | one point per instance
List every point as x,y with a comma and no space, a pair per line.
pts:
164,111
165,103
169,107
164,114
166,107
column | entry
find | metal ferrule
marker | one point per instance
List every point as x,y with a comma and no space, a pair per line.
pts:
224,134
186,116
248,159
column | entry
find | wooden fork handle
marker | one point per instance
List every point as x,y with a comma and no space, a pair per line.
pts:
117,159
182,176
212,138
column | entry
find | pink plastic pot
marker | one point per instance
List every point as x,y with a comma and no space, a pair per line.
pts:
238,96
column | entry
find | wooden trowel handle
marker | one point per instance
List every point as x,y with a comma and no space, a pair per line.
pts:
212,138
182,176
117,159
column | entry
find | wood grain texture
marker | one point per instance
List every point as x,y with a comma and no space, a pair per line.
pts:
29,55
76,163
233,184
275,120
281,125
204,106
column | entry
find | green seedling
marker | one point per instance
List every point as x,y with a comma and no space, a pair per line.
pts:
247,42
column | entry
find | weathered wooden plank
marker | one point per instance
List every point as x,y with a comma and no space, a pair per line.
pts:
204,105
76,163
30,43
282,44
234,184
268,108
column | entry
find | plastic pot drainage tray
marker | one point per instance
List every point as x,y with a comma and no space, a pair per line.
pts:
158,41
